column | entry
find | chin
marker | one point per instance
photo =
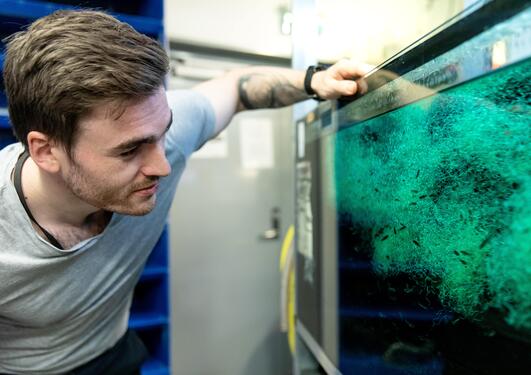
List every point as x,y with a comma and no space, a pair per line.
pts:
140,212
133,209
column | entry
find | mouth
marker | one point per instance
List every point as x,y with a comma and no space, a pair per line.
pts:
147,191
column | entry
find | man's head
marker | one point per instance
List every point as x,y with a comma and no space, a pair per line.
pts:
86,98
68,63
117,162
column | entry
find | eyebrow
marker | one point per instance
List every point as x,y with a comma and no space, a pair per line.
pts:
132,143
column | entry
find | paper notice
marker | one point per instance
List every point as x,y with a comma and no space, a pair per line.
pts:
256,143
216,148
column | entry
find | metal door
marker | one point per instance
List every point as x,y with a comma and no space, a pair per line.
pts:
225,277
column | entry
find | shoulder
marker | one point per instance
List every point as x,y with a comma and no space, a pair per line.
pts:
193,120
187,100
8,158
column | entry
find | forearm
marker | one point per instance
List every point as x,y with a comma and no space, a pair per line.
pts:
252,88
268,87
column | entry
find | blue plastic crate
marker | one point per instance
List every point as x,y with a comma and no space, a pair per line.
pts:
157,343
6,137
24,12
151,296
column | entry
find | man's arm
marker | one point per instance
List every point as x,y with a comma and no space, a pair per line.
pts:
268,87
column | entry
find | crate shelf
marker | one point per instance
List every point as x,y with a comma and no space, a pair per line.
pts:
153,272
154,367
147,320
26,11
4,119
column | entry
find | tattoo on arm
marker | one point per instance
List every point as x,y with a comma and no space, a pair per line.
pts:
268,91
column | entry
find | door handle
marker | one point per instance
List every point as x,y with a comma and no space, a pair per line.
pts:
273,233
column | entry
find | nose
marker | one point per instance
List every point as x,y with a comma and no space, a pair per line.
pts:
155,163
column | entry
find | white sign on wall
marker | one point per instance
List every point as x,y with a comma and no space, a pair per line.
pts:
256,143
216,148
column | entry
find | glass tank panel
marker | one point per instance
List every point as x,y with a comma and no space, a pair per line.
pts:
414,210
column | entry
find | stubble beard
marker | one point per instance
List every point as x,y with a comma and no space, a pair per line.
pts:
104,196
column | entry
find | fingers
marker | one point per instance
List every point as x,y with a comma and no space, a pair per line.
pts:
337,88
346,88
344,78
363,86
348,69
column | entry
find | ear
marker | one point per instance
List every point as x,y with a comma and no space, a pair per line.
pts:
44,152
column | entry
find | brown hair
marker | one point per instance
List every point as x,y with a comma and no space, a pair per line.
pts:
67,63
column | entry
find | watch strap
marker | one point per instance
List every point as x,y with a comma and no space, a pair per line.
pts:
312,69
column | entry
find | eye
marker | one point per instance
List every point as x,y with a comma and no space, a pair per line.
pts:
129,152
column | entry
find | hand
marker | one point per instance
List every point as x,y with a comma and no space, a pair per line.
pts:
344,78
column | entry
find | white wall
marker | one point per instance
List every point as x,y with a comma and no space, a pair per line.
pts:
372,31
244,25
365,30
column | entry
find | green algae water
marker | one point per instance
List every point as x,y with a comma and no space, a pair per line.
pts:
443,187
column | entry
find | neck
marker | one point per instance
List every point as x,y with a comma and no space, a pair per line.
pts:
52,203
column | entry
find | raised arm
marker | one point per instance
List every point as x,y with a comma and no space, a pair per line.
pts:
268,87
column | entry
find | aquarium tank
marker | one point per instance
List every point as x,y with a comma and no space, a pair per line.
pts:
414,207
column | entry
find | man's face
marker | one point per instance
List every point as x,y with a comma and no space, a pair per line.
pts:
117,162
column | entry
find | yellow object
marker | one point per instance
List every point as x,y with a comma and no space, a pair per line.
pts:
291,311
286,244
287,295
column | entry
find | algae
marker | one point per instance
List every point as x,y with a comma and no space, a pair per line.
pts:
445,183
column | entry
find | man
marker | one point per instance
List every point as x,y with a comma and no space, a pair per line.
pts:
86,192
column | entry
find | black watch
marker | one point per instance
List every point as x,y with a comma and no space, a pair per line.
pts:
312,69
